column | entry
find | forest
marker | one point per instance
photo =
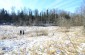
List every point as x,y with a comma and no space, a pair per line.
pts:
49,17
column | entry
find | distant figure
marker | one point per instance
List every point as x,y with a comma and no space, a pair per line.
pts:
20,32
23,32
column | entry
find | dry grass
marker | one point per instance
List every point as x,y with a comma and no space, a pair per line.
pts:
63,42
42,33
38,33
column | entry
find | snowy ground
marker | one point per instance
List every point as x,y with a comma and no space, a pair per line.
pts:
51,40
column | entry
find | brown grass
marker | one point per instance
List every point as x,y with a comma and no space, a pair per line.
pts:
64,42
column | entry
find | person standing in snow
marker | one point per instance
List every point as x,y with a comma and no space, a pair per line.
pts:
20,32
23,32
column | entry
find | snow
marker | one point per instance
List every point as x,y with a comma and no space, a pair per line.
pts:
55,42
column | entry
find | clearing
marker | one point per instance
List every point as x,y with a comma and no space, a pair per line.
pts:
37,40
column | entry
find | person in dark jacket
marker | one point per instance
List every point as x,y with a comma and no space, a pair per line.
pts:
23,32
20,32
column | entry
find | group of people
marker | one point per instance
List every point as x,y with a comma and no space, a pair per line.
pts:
22,32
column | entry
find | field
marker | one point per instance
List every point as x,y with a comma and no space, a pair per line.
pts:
37,40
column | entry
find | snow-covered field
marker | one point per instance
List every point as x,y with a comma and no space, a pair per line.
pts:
37,40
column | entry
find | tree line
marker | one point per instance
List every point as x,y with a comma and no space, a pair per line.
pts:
43,18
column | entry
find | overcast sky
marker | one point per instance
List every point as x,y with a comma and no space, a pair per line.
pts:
68,5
